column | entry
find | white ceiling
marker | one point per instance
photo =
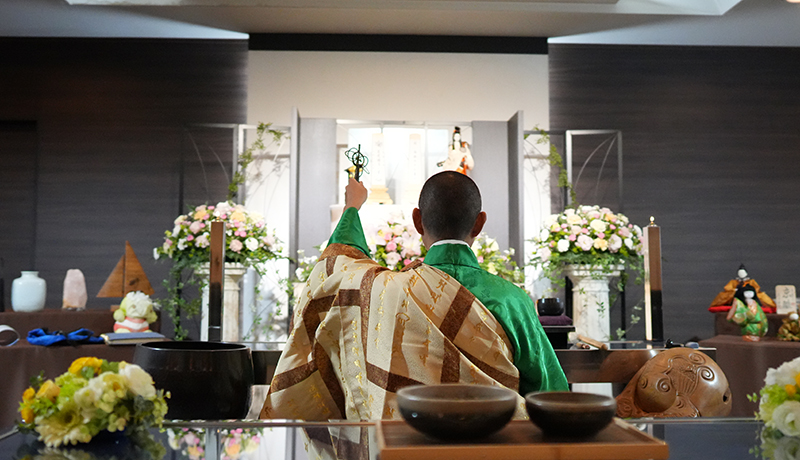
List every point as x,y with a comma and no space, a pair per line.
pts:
665,22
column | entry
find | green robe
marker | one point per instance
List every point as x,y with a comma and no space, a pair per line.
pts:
538,366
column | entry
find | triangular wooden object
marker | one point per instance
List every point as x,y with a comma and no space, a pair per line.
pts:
135,279
127,276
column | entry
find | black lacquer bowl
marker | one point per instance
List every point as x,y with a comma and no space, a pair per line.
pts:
207,380
549,306
456,411
566,414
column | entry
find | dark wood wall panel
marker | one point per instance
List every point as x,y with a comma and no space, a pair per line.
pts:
18,152
110,117
711,149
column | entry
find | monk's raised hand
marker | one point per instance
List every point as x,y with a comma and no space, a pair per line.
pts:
355,194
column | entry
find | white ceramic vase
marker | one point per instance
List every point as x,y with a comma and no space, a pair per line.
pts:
230,302
28,292
590,299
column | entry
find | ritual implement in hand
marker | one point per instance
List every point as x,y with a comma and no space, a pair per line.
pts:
359,161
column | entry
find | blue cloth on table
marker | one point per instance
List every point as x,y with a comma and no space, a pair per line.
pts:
46,338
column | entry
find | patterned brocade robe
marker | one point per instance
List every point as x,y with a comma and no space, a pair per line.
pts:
361,332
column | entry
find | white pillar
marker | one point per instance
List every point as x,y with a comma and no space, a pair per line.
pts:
590,301
230,302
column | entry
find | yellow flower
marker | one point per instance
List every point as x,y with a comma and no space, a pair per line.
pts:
28,394
233,449
238,216
791,390
201,214
797,379
27,414
77,366
49,390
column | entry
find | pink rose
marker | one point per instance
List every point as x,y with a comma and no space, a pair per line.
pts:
480,259
391,246
190,238
236,245
196,226
572,237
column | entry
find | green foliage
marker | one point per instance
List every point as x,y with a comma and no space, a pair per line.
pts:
247,157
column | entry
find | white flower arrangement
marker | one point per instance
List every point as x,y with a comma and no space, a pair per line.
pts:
779,408
92,396
247,239
495,261
395,243
588,235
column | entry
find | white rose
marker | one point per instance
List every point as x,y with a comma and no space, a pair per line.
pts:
544,234
392,259
786,418
628,243
139,381
251,244
544,254
787,448
182,244
584,242
614,243
575,230
569,212
563,245
784,374
202,241
574,219
598,225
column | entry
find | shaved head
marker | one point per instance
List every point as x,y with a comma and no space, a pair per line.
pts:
449,204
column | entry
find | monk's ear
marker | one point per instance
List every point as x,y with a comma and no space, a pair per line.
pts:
480,221
416,216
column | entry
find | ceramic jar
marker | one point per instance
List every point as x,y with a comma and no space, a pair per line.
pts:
28,292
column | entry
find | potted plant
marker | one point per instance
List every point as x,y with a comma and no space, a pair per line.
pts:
590,244
248,243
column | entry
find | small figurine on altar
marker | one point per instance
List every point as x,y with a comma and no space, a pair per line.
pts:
735,289
135,313
790,329
459,157
749,315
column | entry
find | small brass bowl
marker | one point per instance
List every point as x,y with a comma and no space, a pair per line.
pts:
457,411
570,415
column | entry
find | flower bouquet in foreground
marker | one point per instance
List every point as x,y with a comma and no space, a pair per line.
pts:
587,235
94,395
779,409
